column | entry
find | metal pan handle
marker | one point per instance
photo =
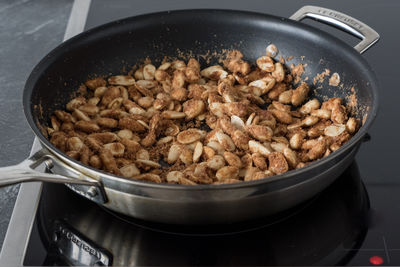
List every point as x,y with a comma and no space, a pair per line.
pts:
341,21
25,172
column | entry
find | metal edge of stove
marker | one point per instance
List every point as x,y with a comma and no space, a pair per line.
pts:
25,208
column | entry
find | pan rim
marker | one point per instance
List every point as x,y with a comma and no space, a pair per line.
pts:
44,63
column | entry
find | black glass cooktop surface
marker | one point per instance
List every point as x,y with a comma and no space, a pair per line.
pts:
353,222
329,229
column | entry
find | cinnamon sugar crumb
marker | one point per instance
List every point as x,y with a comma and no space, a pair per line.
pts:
297,71
320,77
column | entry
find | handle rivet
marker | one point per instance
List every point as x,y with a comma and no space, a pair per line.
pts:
49,164
92,191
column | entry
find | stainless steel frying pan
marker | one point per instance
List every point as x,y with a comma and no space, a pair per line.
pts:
101,50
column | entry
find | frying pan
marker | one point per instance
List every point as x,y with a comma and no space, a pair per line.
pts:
106,49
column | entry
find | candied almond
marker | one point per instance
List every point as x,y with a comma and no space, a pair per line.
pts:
279,72
265,85
131,148
249,173
165,140
279,147
282,116
225,141
89,108
227,172
125,133
318,150
190,136
143,154
237,122
226,125
165,66
173,154
271,50
108,161
216,162
171,130
116,149
278,89
193,108
266,63
240,139
296,141
75,103
310,121
208,152
321,113
331,103
186,156
334,130
87,126
260,132
143,87
95,83
198,151
286,97
145,101
300,94
310,106
236,108
291,157
352,125
148,72
64,116
277,163
232,159
131,124
74,144
256,147
170,114
107,122
121,80
214,72
339,114
174,176
279,106
129,170
100,91
95,161
259,161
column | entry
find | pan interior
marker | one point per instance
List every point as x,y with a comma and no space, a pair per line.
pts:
204,34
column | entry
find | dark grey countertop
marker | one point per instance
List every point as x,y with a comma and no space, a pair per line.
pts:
28,31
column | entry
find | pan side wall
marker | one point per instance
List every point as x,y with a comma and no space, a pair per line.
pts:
253,206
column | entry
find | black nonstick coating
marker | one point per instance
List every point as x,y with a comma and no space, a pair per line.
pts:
111,49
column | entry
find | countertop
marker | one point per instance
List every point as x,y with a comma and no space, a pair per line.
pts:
28,31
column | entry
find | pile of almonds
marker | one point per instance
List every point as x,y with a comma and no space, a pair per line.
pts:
182,124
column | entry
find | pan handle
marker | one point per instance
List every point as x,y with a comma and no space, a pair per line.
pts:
341,21
78,182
